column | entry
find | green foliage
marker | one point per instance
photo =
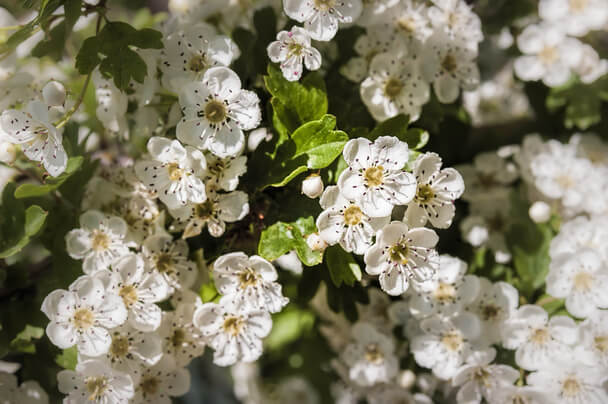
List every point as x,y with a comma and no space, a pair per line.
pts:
18,224
208,292
114,43
342,266
23,341
581,102
397,126
52,183
281,237
54,43
68,358
288,326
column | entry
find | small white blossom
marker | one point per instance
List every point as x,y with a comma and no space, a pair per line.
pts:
576,17
291,49
95,382
29,392
321,17
157,384
312,186
182,340
53,93
169,258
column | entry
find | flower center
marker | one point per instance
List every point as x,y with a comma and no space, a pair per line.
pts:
205,210
175,172
324,5
83,319
540,336
571,387
129,295
601,343
399,253
178,338
96,386
233,325
373,354
100,241
150,385
374,176
482,376
548,55
449,63
424,193
119,347
490,312
578,5
583,281
164,262
353,215
445,292
295,49
248,277
407,24
393,87
565,181
197,63
452,341
215,111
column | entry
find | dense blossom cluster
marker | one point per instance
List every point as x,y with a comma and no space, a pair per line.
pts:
175,250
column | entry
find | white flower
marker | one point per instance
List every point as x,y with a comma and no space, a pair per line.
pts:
447,292
82,316
190,52
183,341
520,395
495,305
445,343
576,17
371,356
100,240
321,17
312,186
174,172
29,392
579,234
394,86
548,55
214,213
568,381
216,111
170,258
223,174
450,65
407,22
344,222
401,254
366,46
537,339
291,49
157,384
375,179
233,331
53,93
95,382
487,177
138,289
250,281
112,105
582,280
540,212
456,18
436,192
478,378
39,139
590,66
593,345
396,395
131,350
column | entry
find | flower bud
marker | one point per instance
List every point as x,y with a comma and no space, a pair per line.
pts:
258,136
53,93
315,242
540,212
8,153
406,379
312,186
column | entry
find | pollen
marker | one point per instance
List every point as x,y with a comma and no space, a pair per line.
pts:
175,172
445,292
449,63
119,347
248,277
373,354
399,253
583,281
83,319
129,295
150,385
452,341
197,63
233,325
374,176
424,193
393,87
215,111
353,215
540,336
99,241
96,387
571,387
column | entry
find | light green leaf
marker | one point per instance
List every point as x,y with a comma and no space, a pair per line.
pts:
281,237
319,141
342,266
208,292
68,358
52,183
288,326
24,341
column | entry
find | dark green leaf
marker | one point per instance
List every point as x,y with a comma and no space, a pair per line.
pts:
52,183
342,266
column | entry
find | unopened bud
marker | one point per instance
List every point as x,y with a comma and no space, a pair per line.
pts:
8,153
315,242
540,212
406,379
312,186
53,93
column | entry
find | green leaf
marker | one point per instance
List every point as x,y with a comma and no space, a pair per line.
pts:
319,142
68,358
396,126
35,217
208,292
120,62
23,342
287,327
550,304
342,266
52,183
416,138
281,237
54,45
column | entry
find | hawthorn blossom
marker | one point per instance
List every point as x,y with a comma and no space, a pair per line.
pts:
169,258
291,49
100,240
29,392
321,17
83,315
344,222
375,179
182,340
233,331
401,254
174,172
223,174
250,281
216,111
576,17
94,381
40,140
158,383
